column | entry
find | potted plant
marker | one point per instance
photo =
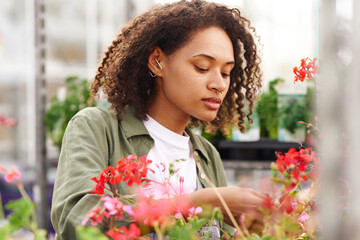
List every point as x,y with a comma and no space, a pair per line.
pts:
291,110
267,111
62,110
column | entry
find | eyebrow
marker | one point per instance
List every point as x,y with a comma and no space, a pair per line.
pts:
211,58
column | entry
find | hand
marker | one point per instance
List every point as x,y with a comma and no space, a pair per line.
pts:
244,204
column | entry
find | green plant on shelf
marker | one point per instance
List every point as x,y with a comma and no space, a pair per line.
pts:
61,111
267,111
290,112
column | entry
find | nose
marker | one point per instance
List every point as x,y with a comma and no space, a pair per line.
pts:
218,82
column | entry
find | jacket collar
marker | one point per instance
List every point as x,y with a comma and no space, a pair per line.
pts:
197,144
133,126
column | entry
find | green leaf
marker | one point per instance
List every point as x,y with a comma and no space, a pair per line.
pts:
181,232
217,214
89,233
21,215
40,234
196,223
289,225
267,237
5,232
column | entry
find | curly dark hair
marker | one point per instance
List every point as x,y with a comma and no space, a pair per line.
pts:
123,75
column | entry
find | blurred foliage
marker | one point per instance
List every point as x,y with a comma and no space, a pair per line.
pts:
87,233
61,111
267,111
290,113
23,216
310,101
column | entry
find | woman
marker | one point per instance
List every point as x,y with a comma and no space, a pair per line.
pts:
180,64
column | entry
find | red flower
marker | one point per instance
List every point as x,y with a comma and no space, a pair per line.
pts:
297,166
100,184
306,70
134,171
123,233
268,204
286,204
128,170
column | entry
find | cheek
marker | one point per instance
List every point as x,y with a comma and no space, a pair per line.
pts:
185,82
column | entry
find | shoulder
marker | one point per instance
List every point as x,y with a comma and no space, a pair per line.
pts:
96,114
94,119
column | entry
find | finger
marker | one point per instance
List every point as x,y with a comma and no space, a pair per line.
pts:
252,215
256,215
252,198
258,194
256,227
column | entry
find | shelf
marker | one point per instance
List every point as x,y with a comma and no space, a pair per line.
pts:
262,150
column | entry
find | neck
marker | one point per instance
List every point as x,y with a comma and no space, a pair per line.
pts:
170,121
169,117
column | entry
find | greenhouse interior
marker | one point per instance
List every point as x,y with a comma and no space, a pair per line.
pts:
299,103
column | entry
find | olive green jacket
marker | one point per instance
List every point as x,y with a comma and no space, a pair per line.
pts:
95,139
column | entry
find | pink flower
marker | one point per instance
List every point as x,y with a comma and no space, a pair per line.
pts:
164,167
149,211
7,122
95,216
115,207
2,169
128,209
12,174
194,211
303,217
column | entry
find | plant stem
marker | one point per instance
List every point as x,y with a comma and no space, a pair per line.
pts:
127,199
22,191
33,212
226,207
289,193
157,230
2,214
224,232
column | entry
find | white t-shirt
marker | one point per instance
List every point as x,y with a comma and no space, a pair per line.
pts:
169,148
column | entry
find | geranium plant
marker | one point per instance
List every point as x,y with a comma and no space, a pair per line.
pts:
6,122
23,212
287,214
290,213
306,70
173,217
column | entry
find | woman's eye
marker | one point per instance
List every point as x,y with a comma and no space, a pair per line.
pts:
225,75
200,69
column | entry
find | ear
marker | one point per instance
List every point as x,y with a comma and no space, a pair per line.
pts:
156,57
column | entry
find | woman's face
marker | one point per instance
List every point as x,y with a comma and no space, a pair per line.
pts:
195,79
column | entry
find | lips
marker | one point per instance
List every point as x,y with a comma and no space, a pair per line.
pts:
213,103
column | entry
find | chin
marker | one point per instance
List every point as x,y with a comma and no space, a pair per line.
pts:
207,117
